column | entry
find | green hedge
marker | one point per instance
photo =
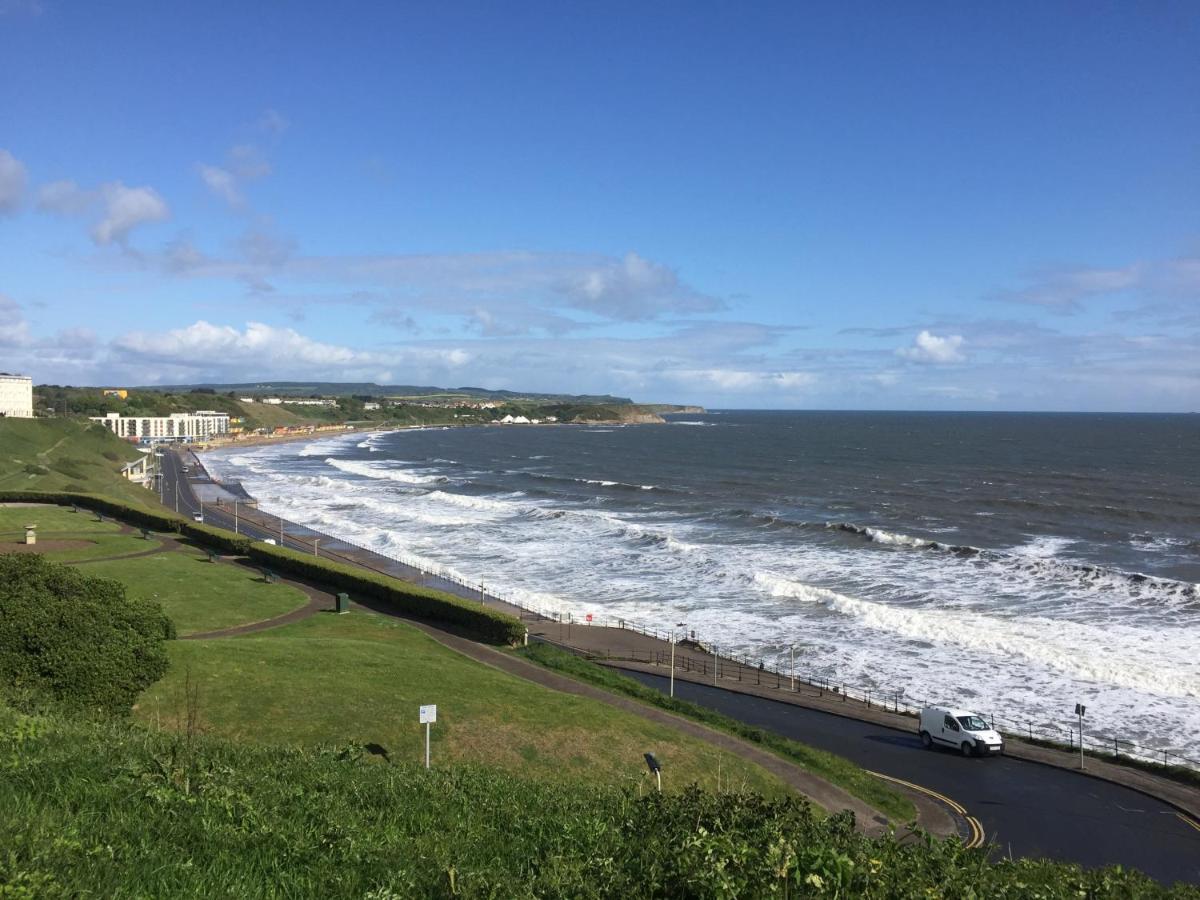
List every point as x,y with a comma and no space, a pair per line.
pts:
216,538
419,602
132,515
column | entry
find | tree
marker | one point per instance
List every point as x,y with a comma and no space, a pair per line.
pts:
75,638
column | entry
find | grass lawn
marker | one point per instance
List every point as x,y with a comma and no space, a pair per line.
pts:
199,595
360,678
67,455
58,523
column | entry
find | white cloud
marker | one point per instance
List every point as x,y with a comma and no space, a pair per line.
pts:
742,380
633,289
12,183
125,208
221,182
65,198
261,350
929,348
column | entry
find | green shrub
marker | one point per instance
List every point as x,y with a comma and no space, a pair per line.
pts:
419,602
69,467
77,639
35,469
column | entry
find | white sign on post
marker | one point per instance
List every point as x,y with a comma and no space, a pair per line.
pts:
428,717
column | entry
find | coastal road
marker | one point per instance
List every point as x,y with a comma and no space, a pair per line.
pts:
1026,809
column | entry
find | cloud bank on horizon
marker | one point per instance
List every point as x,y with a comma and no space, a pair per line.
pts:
811,216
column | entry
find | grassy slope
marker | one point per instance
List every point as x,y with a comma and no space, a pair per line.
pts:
829,766
361,677
60,454
108,810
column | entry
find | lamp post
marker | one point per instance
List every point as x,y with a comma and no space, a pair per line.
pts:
673,642
716,663
792,650
235,521
1080,709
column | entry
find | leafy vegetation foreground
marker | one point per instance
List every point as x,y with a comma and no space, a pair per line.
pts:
109,809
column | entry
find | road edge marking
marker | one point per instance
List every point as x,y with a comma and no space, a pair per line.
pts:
977,833
1188,820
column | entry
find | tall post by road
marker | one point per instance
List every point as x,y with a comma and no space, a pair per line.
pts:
792,648
235,521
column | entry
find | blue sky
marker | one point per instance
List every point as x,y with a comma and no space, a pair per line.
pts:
917,206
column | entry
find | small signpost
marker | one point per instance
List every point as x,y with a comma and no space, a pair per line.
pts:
428,717
589,618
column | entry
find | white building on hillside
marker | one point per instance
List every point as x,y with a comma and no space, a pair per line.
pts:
183,427
16,396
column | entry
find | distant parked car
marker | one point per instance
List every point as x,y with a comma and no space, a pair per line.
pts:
269,541
199,517
960,730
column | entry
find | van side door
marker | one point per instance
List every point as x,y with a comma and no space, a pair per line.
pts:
950,730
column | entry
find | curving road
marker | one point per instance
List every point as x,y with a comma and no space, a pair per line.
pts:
1026,809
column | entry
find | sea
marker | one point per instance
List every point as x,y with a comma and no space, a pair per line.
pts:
1014,564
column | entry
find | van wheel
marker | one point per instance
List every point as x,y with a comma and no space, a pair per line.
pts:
967,750
926,740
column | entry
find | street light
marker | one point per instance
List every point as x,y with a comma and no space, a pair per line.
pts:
1080,710
673,642
792,649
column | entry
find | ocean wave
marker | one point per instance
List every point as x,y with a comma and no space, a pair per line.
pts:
1131,658
1039,558
353,467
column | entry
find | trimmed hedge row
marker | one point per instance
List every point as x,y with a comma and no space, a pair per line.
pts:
144,518
419,602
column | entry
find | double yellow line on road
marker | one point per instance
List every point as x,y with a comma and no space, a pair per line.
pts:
1188,820
977,832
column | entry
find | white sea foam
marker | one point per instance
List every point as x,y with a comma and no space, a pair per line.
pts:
367,470
1133,659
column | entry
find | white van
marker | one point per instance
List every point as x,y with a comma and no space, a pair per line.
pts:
961,729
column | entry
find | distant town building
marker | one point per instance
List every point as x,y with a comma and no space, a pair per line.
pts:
16,396
274,401
370,406
305,401
245,399
117,392
181,427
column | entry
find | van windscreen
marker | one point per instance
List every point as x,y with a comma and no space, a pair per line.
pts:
973,723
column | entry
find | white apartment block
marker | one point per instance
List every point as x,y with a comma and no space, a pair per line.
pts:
16,396
197,426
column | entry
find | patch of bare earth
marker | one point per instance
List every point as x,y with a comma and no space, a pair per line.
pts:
43,546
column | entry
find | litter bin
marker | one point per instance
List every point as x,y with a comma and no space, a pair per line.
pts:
343,603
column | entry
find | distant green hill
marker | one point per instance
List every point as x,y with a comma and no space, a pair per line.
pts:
61,454
370,389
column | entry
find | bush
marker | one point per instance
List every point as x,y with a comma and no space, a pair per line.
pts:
75,638
35,469
419,602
